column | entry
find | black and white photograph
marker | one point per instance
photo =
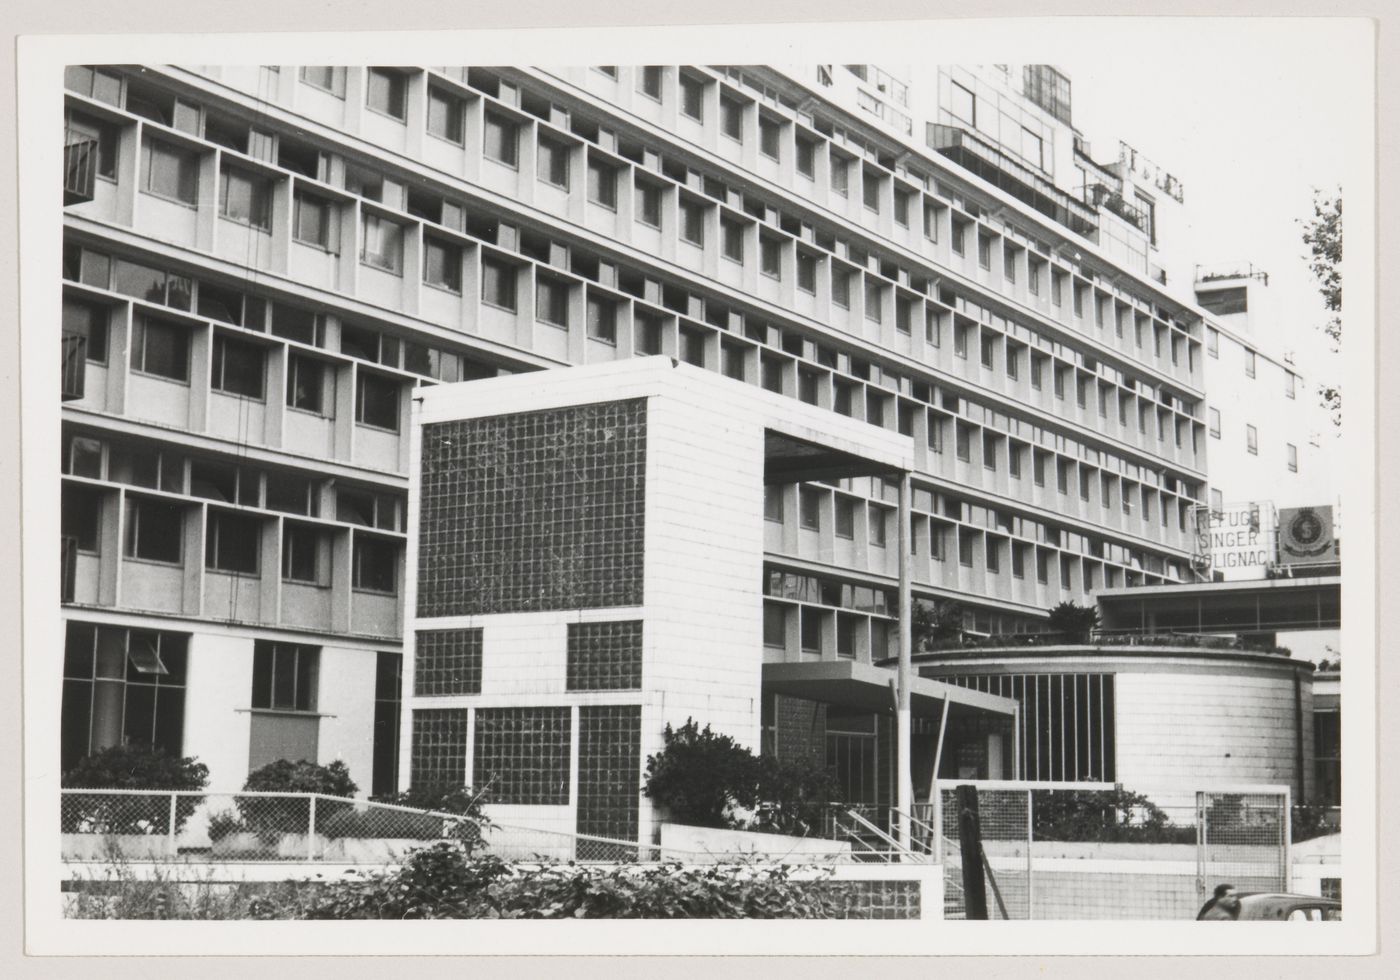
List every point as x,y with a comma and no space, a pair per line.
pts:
906,496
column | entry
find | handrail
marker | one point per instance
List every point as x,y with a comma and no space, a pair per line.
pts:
894,846
926,833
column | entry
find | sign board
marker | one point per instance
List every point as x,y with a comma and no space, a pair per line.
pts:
1236,541
1307,536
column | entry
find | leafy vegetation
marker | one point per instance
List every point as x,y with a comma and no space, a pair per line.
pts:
134,768
937,624
1322,234
270,817
1105,816
1075,623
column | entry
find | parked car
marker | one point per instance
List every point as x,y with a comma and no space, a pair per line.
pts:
1272,906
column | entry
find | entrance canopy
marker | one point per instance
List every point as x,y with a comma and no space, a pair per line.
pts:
865,687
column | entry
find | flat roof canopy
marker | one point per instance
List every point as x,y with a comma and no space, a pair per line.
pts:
865,687
1262,606
790,459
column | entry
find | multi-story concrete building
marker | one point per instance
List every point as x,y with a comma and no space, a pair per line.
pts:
262,264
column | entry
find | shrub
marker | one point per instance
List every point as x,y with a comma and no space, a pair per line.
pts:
793,796
1074,622
461,800
937,624
136,768
270,817
1106,816
701,777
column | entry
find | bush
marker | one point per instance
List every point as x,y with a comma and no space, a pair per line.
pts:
793,796
135,768
937,624
1105,816
1074,622
461,800
269,817
701,777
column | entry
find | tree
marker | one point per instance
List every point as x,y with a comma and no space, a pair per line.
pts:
937,624
1074,622
700,776
1323,237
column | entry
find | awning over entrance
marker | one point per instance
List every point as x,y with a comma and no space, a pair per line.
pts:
792,459
864,687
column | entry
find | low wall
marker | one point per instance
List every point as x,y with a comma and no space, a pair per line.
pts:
698,843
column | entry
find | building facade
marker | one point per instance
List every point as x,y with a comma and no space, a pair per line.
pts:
262,264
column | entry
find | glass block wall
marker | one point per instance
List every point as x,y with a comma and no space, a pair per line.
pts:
522,755
605,656
533,511
609,770
447,662
439,755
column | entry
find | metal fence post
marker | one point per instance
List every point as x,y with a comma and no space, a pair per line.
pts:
1030,861
970,841
171,827
311,828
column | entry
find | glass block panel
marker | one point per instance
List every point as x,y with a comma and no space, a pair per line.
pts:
522,755
439,754
605,656
609,773
447,662
533,511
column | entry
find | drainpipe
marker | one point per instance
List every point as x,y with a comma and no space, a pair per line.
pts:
905,775
1298,754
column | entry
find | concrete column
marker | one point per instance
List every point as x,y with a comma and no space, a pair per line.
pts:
905,783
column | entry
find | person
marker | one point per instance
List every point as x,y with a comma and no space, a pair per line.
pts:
1223,906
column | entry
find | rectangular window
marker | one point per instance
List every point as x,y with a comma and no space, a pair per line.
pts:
442,265
498,283
388,698
602,184
385,92
693,98
1292,457
773,503
965,547
877,527
326,77
314,221
731,118
231,543
649,203
984,251
523,755
989,451
1290,383
874,297
383,244
237,367
80,517
845,517
292,494
731,238
810,629
809,508
154,530
445,115
551,302
774,625
602,319
448,662
245,198
501,140
376,565
806,271
988,351
806,157
770,256
693,222
306,379
1251,440
962,436
377,401
89,321
840,175
960,340
1038,467
1250,364
84,130
901,208
1212,342
161,349
285,676
647,333
1215,423
840,287
963,104
870,190
649,81
552,163
770,134
169,171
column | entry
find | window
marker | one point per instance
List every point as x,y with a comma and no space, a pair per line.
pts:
121,687
988,351
874,296
840,287
498,283
1059,377
1056,288
693,98
806,157
963,104
810,629
327,77
731,118
301,554
100,85
306,384
87,320
984,251
1290,382
292,494
383,244
160,348
903,315
960,340
445,115
770,256
442,265
901,208
649,203
388,697
965,547
840,175
551,301
367,509
1212,342
1250,364
154,530
169,171
315,221
845,517
649,81
80,517
770,133
285,676
602,319
731,238
1292,457
809,506
602,183
231,543
647,332
870,190
1037,364
552,165
693,222
377,401
82,128
219,481
806,271
245,198
376,565
1038,467
1215,423
962,436
774,625
237,367
501,140
385,92
930,221
877,527
1251,440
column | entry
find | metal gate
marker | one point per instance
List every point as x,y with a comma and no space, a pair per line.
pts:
1242,839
